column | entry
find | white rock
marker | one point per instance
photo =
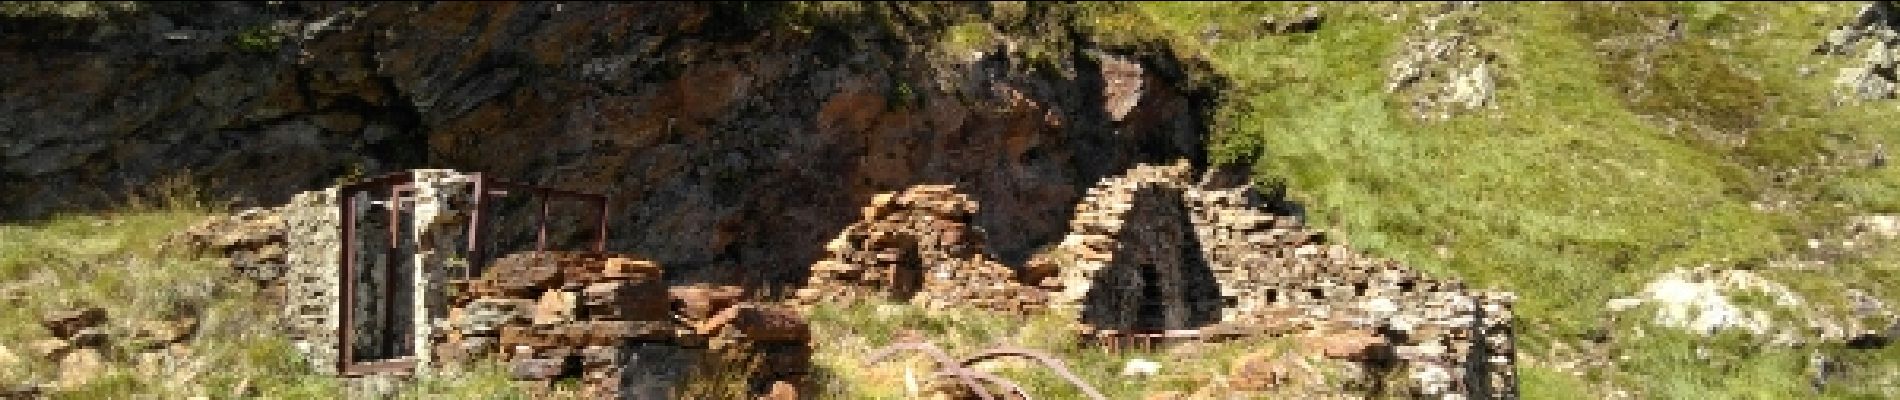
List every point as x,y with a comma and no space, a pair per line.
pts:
1381,305
1624,304
7,358
1701,304
1140,367
1887,226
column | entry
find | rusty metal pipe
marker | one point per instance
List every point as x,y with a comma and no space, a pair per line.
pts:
346,352
474,252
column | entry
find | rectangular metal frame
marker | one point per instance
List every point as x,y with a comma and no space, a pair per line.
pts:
400,182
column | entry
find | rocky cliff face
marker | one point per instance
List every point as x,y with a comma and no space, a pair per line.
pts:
733,138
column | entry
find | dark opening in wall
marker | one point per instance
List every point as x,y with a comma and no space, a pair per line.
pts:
1157,279
383,298
906,277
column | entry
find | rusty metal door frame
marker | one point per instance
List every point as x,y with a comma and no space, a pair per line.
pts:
401,182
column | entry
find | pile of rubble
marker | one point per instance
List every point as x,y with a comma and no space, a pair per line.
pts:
1440,69
1873,37
81,340
422,300
252,240
917,246
610,322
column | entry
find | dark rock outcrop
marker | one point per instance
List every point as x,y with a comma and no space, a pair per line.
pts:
734,138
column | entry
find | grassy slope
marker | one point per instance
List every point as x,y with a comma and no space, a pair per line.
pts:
115,262
1573,191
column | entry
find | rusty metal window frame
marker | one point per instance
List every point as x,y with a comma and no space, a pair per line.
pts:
397,182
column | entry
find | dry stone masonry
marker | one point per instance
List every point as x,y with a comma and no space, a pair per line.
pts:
610,321
917,246
1149,251
420,301
1154,252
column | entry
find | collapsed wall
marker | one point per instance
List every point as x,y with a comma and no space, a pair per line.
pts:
917,246
1153,251
609,322
412,296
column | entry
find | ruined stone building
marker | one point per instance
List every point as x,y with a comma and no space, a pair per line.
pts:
403,274
399,275
1152,252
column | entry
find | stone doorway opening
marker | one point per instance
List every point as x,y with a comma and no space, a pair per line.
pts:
379,295
906,275
1158,280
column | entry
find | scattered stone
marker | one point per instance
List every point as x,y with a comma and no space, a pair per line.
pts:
555,306
12,296
1353,345
1696,300
1622,304
80,367
65,323
1884,226
89,338
1265,370
23,391
161,332
7,358
1141,368
782,390
1307,21
1872,34
1440,70
50,349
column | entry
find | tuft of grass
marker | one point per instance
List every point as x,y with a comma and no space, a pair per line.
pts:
114,262
66,9
258,39
856,330
487,379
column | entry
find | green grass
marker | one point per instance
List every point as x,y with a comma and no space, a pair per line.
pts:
115,262
854,331
66,9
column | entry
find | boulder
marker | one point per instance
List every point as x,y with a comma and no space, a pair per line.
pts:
1352,345
50,349
7,358
65,323
80,367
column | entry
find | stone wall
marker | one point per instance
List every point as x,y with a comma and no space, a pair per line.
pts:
1153,251
918,246
608,320
311,280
